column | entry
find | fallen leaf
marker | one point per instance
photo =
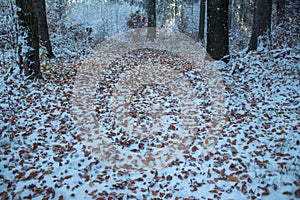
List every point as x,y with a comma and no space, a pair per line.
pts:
35,146
297,193
234,151
287,193
32,175
194,148
79,138
154,193
172,127
233,179
68,177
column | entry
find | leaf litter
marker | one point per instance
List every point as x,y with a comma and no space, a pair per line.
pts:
256,156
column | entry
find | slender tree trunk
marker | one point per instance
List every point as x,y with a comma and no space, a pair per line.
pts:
40,7
169,18
202,20
151,10
217,29
29,39
261,21
178,13
280,7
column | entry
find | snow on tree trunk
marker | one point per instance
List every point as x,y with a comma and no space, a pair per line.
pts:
217,28
29,40
261,22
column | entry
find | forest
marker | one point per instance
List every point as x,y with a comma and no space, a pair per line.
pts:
149,99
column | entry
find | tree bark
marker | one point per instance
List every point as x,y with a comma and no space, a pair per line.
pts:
40,8
261,22
202,20
151,11
178,13
217,29
29,39
280,7
170,13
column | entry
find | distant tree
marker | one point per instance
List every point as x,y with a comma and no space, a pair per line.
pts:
261,22
202,20
280,7
29,39
217,29
151,11
178,13
40,8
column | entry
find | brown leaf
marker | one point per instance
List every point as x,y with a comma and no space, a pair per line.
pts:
154,193
281,164
297,193
93,192
32,175
172,127
21,152
233,179
57,159
96,150
91,184
168,196
244,188
35,146
213,191
234,151
194,148
251,139
287,193
79,138
68,177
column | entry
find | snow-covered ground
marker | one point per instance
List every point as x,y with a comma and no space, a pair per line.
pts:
256,156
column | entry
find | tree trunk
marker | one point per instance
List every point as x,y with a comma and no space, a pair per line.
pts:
40,8
217,29
29,39
202,20
178,13
261,21
151,11
169,18
280,7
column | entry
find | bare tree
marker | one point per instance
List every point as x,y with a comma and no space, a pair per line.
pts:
217,29
40,8
261,22
29,39
151,11
280,8
202,20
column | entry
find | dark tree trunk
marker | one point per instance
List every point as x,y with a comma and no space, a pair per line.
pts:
261,21
280,7
202,20
40,8
151,11
29,39
217,29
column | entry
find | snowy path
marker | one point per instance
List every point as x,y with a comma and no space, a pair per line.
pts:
256,156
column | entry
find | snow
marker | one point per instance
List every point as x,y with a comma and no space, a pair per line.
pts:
43,154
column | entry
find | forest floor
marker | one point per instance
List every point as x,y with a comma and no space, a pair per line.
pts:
256,156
